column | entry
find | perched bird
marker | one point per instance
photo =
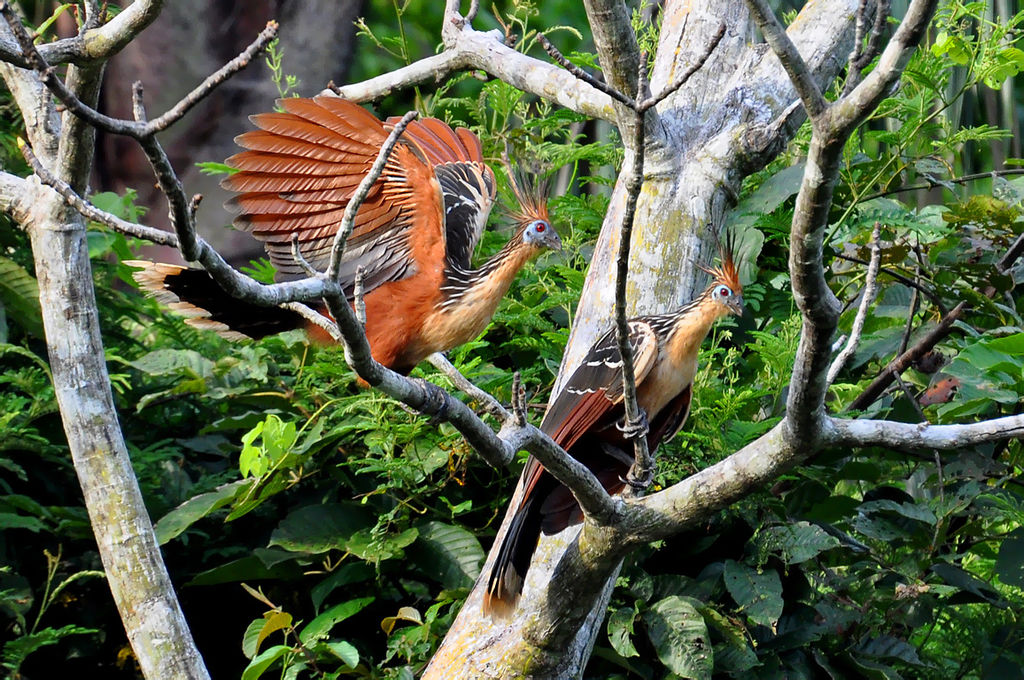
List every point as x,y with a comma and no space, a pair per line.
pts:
586,417
413,239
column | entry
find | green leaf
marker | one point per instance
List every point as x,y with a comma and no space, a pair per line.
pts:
680,637
798,542
450,554
376,548
344,651
968,583
19,297
319,528
759,594
273,621
1010,562
620,631
185,515
320,627
18,649
264,661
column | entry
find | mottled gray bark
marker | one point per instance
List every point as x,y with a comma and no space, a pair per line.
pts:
138,580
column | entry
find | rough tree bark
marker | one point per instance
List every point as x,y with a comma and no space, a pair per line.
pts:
730,119
128,548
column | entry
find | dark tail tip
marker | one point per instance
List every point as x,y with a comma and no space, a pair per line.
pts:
193,294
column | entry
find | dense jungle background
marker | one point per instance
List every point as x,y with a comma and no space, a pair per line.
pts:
316,529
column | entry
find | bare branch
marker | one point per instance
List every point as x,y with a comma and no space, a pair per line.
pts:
489,403
900,363
496,449
867,299
470,49
853,109
581,74
300,259
315,318
776,37
207,86
924,435
688,73
92,212
642,471
861,56
349,219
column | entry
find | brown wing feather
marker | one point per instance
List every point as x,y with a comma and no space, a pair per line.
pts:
300,170
467,183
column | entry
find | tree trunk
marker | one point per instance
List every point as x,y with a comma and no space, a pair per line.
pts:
127,546
729,120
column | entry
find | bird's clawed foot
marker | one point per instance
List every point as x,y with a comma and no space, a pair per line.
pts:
435,403
636,428
640,478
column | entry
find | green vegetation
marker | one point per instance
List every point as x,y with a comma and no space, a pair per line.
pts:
316,529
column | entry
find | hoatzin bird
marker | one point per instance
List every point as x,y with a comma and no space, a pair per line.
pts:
586,419
413,237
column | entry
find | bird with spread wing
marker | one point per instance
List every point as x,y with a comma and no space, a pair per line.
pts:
586,417
413,238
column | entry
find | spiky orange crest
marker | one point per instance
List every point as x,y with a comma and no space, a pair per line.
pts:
531,196
726,272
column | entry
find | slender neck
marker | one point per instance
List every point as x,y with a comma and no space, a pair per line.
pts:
693,319
495,275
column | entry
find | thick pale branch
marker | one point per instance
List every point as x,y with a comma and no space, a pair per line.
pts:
799,73
910,436
466,49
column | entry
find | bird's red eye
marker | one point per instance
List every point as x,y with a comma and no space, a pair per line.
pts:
723,291
540,227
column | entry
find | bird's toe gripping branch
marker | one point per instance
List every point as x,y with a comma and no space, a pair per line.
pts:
641,473
435,401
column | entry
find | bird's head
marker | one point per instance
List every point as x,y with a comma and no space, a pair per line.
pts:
725,288
531,213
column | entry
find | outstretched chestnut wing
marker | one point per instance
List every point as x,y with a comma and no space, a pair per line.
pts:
302,166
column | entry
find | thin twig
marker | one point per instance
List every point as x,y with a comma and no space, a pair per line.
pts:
867,299
900,363
915,301
300,259
688,73
90,211
518,399
963,179
905,280
641,473
583,75
910,397
349,219
315,318
490,404
207,86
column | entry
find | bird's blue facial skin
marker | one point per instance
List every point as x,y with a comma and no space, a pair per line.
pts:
725,295
540,233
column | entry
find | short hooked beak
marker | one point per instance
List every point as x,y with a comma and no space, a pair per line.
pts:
736,305
552,240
